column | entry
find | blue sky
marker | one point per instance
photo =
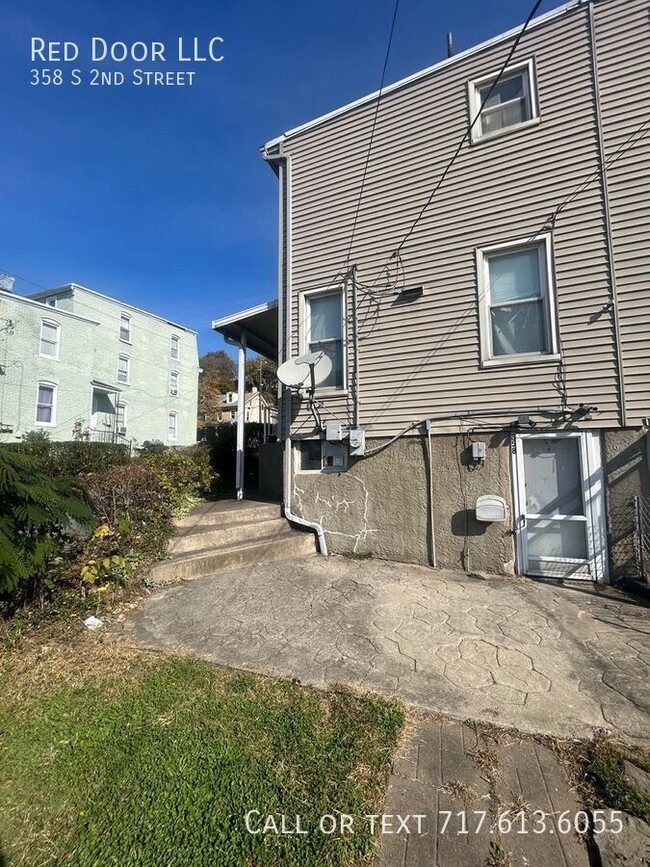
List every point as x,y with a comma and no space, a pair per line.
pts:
158,196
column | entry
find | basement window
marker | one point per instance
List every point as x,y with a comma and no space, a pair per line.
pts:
309,456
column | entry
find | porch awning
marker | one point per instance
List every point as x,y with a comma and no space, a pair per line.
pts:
105,387
258,324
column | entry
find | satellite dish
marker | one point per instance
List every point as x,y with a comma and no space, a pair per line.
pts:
305,371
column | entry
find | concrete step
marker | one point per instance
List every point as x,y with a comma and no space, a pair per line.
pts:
229,511
201,535
183,567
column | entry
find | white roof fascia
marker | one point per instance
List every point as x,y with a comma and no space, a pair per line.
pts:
442,64
244,314
53,311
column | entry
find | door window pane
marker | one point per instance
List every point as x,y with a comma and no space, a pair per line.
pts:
547,538
553,476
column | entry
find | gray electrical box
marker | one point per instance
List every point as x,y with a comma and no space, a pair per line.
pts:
335,457
357,442
333,432
479,451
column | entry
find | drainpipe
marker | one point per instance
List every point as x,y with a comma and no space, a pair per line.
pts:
432,530
355,342
241,404
284,312
608,217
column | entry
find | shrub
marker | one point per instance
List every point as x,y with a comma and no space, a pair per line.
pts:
73,457
36,515
183,476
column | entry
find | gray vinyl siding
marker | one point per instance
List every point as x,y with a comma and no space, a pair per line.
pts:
624,70
423,358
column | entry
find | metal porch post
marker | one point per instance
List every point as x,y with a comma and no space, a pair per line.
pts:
241,412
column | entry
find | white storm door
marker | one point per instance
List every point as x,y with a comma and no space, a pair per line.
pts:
560,506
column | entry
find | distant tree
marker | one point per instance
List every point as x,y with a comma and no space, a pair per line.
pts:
217,378
262,373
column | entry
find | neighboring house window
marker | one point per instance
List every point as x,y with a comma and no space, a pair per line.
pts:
310,457
324,331
511,103
233,414
121,412
176,347
173,426
125,327
516,302
50,332
173,383
124,369
46,404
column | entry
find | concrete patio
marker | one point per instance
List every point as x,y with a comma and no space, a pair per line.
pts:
512,651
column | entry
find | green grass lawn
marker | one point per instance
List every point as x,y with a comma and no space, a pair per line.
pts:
154,760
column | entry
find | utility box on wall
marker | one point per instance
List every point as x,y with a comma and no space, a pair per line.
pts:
335,457
491,509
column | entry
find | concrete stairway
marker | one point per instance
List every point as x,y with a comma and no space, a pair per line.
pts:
229,534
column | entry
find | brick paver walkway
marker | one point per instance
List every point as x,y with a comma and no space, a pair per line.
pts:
512,651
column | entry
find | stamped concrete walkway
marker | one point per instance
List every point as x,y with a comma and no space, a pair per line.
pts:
511,651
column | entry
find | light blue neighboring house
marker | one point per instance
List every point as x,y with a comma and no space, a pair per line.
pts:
76,363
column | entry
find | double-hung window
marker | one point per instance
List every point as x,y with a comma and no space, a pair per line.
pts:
175,347
125,327
173,383
50,333
324,331
121,412
46,404
516,302
172,433
503,104
124,369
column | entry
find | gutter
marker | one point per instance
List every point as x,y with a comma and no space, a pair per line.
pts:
282,167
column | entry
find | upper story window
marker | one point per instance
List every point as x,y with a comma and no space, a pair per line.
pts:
124,369
174,383
175,347
50,338
172,433
46,403
125,327
324,328
509,104
516,302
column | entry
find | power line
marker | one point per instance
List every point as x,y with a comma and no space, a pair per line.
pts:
469,129
373,129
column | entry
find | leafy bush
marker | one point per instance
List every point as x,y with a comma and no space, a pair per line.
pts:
183,477
36,515
74,457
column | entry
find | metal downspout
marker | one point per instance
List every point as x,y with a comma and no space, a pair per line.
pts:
284,283
608,218
355,343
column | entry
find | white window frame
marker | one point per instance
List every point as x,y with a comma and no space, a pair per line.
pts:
172,415
125,407
56,325
125,317
127,358
55,389
305,319
527,69
175,342
174,391
547,281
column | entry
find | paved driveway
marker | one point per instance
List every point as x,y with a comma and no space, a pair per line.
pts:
511,651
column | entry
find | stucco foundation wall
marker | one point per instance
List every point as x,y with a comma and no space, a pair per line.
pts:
380,505
625,461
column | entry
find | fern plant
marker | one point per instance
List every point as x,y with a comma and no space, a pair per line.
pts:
36,511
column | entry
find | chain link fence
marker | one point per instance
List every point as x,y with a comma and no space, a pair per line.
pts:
642,537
